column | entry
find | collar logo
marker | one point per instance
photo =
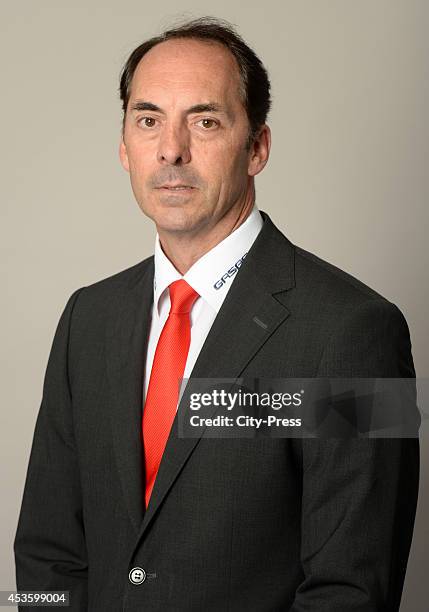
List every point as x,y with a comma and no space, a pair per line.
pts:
233,270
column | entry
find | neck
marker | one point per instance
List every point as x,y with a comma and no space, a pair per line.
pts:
184,251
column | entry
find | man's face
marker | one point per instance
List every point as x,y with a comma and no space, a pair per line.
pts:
186,125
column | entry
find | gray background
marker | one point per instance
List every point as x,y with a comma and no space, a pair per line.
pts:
347,178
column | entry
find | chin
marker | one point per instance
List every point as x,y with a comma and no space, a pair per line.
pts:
176,225
171,219
175,218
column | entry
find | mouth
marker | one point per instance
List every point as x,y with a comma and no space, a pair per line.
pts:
176,187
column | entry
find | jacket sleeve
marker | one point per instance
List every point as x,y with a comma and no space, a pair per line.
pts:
49,546
359,495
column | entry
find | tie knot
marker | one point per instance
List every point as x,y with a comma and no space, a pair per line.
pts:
182,297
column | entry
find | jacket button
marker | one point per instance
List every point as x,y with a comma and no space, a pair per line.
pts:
137,575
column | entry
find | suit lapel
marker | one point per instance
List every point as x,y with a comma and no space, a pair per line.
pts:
126,341
251,312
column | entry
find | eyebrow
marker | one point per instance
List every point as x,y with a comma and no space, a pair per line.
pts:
209,107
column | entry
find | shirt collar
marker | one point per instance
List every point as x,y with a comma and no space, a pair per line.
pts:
210,276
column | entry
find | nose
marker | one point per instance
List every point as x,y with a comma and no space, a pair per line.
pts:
173,146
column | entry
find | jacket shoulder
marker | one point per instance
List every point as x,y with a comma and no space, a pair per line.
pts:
90,301
120,279
331,296
329,283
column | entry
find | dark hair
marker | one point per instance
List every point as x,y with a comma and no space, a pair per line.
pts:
254,86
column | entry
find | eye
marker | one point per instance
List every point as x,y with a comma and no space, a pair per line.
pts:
208,123
146,122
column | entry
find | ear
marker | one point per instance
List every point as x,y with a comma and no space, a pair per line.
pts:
260,151
123,156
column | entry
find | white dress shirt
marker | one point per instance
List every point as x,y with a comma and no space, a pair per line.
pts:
211,277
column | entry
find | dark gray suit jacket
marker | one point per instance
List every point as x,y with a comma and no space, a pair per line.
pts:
234,525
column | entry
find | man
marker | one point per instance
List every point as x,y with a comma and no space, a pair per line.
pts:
121,511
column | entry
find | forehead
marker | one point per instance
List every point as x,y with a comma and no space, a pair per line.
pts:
186,68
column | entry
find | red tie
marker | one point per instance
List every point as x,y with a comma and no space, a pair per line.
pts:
167,370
